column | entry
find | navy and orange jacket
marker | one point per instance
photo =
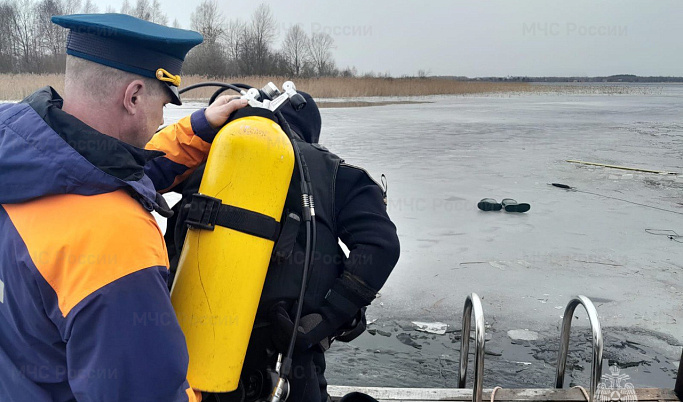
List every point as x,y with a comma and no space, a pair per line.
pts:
84,307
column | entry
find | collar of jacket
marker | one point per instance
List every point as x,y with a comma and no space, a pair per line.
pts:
108,154
121,163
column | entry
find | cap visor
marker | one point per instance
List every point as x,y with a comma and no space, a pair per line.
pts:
175,96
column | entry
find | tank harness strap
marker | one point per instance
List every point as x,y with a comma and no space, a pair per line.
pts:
287,239
206,212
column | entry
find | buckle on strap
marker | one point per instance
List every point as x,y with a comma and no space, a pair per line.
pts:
207,212
203,212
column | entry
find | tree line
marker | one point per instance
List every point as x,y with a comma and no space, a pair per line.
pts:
31,43
238,47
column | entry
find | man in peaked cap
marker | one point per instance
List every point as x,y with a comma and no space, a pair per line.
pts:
130,44
84,307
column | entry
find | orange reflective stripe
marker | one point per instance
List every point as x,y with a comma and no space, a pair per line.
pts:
82,243
180,144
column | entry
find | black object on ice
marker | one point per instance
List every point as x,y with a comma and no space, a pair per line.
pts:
357,397
511,205
489,204
407,340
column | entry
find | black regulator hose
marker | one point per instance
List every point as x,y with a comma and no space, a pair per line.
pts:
311,235
235,87
223,89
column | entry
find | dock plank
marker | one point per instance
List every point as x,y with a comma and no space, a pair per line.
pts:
502,395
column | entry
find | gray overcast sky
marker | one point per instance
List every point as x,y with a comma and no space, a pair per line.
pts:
482,37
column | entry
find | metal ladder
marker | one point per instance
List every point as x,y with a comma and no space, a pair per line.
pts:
473,303
596,367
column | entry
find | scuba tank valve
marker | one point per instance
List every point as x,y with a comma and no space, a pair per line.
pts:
253,95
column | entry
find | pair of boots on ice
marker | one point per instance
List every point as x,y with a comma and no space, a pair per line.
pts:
510,205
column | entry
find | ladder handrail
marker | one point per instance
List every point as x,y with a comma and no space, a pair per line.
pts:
473,302
596,367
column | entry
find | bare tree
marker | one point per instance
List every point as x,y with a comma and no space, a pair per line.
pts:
25,38
110,9
295,50
262,34
52,37
176,24
143,10
7,45
156,15
208,21
126,8
90,8
263,25
320,50
233,36
71,6
29,42
209,57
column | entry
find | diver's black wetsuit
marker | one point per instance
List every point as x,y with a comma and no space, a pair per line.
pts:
350,206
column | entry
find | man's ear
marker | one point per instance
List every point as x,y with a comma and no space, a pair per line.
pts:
131,97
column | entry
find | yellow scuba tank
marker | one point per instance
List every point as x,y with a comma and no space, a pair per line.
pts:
222,270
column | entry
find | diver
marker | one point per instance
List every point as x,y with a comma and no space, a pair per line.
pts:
349,206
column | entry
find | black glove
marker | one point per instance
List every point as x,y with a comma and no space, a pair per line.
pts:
313,328
348,295
354,328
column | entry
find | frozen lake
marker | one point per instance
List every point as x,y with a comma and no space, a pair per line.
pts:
441,158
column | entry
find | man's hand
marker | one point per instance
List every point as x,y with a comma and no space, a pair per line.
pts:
219,111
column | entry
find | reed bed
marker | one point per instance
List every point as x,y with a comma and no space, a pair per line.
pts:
18,86
349,87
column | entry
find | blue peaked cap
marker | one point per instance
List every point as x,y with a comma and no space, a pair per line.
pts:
130,44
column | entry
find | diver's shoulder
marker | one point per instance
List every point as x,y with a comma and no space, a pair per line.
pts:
348,170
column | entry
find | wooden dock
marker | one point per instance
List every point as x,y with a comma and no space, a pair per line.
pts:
502,395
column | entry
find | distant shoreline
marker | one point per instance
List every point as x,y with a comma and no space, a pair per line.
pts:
18,86
620,78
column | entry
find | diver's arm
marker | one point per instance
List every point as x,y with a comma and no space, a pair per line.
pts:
365,228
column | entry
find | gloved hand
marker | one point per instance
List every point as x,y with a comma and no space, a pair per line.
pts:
313,328
348,295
